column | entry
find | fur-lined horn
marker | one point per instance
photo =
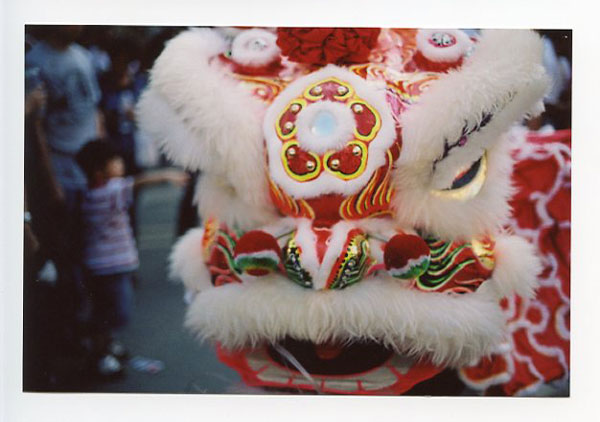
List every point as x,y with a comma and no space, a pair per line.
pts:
204,120
462,117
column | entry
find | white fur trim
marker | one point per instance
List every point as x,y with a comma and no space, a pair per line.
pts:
461,329
306,240
373,93
243,52
203,120
320,144
228,32
264,254
505,71
517,267
217,197
186,262
377,249
443,54
280,227
382,228
411,263
339,234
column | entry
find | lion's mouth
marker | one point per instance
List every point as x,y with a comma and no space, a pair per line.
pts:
362,367
331,359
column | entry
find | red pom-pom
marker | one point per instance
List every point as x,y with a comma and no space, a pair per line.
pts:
406,256
257,253
327,45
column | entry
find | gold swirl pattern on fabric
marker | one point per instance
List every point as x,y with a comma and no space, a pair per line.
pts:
409,87
266,89
353,263
484,250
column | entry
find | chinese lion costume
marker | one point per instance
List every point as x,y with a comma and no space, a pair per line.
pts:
356,196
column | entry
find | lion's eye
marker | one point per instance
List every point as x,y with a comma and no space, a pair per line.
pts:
254,48
442,39
257,44
467,183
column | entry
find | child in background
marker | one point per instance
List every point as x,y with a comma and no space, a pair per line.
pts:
109,251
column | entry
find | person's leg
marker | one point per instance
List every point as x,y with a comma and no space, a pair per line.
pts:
119,305
99,327
111,298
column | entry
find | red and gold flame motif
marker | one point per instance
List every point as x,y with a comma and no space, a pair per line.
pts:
265,89
374,199
288,205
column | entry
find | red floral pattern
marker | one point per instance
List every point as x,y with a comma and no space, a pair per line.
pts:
327,45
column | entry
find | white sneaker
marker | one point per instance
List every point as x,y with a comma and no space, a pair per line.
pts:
109,365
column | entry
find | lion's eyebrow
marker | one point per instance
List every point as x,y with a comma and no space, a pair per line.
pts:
461,141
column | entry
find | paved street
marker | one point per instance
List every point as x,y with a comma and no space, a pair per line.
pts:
156,330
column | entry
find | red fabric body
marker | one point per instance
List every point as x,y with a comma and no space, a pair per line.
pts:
540,328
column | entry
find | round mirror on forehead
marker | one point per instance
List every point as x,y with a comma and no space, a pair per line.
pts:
323,124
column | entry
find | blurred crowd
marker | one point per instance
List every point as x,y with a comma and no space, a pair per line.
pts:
557,61
84,159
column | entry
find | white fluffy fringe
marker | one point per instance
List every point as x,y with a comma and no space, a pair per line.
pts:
452,330
456,330
517,267
186,262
